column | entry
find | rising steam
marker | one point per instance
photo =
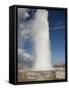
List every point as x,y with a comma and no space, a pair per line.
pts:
40,31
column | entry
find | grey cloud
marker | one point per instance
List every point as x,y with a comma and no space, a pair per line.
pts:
22,13
24,59
24,28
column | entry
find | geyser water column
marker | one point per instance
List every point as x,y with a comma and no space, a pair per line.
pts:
42,51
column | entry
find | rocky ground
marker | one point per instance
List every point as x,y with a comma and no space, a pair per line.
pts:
57,74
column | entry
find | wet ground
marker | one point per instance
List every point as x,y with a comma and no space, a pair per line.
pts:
57,74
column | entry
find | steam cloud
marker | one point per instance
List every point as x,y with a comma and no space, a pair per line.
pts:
42,50
37,29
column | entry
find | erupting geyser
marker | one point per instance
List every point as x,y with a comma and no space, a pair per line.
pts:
41,39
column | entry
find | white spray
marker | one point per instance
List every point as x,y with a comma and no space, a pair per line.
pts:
42,52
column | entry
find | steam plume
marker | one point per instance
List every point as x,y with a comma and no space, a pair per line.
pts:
40,31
